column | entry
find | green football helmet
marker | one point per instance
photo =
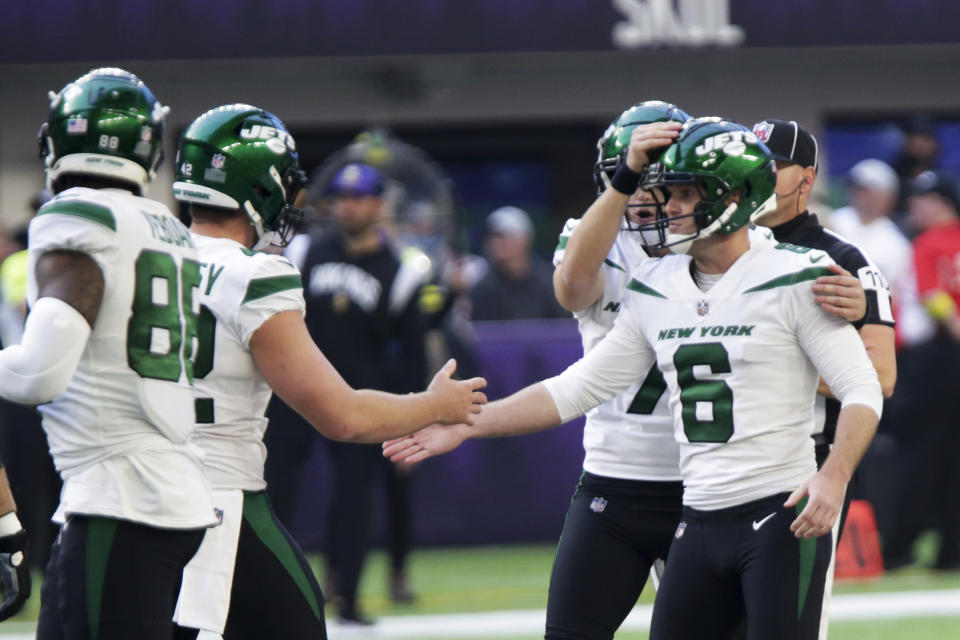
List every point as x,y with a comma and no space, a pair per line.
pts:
105,124
720,158
241,157
612,145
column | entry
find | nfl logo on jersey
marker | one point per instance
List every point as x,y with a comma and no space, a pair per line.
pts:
703,308
598,505
680,530
217,161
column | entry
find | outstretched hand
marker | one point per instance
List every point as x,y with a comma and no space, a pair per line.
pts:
457,400
841,294
430,441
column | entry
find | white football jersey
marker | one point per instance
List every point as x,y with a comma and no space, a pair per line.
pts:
740,362
119,433
629,436
241,289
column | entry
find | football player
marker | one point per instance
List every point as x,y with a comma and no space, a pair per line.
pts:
736,333
238,169
112,280
627,504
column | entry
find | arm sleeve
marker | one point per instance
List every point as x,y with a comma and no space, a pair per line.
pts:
836,350
274,286
40,368
621,359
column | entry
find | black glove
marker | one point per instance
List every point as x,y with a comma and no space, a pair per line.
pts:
14,573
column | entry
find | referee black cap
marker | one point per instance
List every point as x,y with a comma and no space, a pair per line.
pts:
789,142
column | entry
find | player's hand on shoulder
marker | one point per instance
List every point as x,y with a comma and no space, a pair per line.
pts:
457,400
841,294
824,492
647,138
430,441
15,570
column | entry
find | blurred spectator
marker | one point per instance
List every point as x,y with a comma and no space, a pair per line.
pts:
518,283
927,402
920,150
872,190
363,313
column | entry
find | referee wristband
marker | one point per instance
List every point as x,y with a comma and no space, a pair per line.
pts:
625,180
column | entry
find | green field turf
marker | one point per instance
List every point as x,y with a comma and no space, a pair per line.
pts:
476,579
516,577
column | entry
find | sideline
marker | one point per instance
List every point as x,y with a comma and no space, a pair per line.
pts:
847,607
844,608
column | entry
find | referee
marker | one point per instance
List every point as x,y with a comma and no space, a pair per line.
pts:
796,153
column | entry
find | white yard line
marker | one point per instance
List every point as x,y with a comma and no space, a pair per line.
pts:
849,607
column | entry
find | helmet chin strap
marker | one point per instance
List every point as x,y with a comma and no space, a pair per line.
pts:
684,242
680,244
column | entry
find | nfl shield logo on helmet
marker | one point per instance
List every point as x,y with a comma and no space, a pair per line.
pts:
681,528
217,161
703,308
598,505
763,130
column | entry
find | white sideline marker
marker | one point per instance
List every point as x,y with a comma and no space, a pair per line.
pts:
849,607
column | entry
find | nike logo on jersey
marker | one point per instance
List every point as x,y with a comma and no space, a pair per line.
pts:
818,258
759,523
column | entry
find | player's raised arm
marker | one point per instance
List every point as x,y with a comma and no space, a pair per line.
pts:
300,374
578,280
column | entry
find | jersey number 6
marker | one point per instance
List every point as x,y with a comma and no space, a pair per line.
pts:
693,392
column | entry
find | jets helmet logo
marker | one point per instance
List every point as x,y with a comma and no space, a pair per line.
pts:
732,143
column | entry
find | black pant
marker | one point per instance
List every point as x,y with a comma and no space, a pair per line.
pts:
927,464
740,560
357,468
274,592
614,531
113,580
